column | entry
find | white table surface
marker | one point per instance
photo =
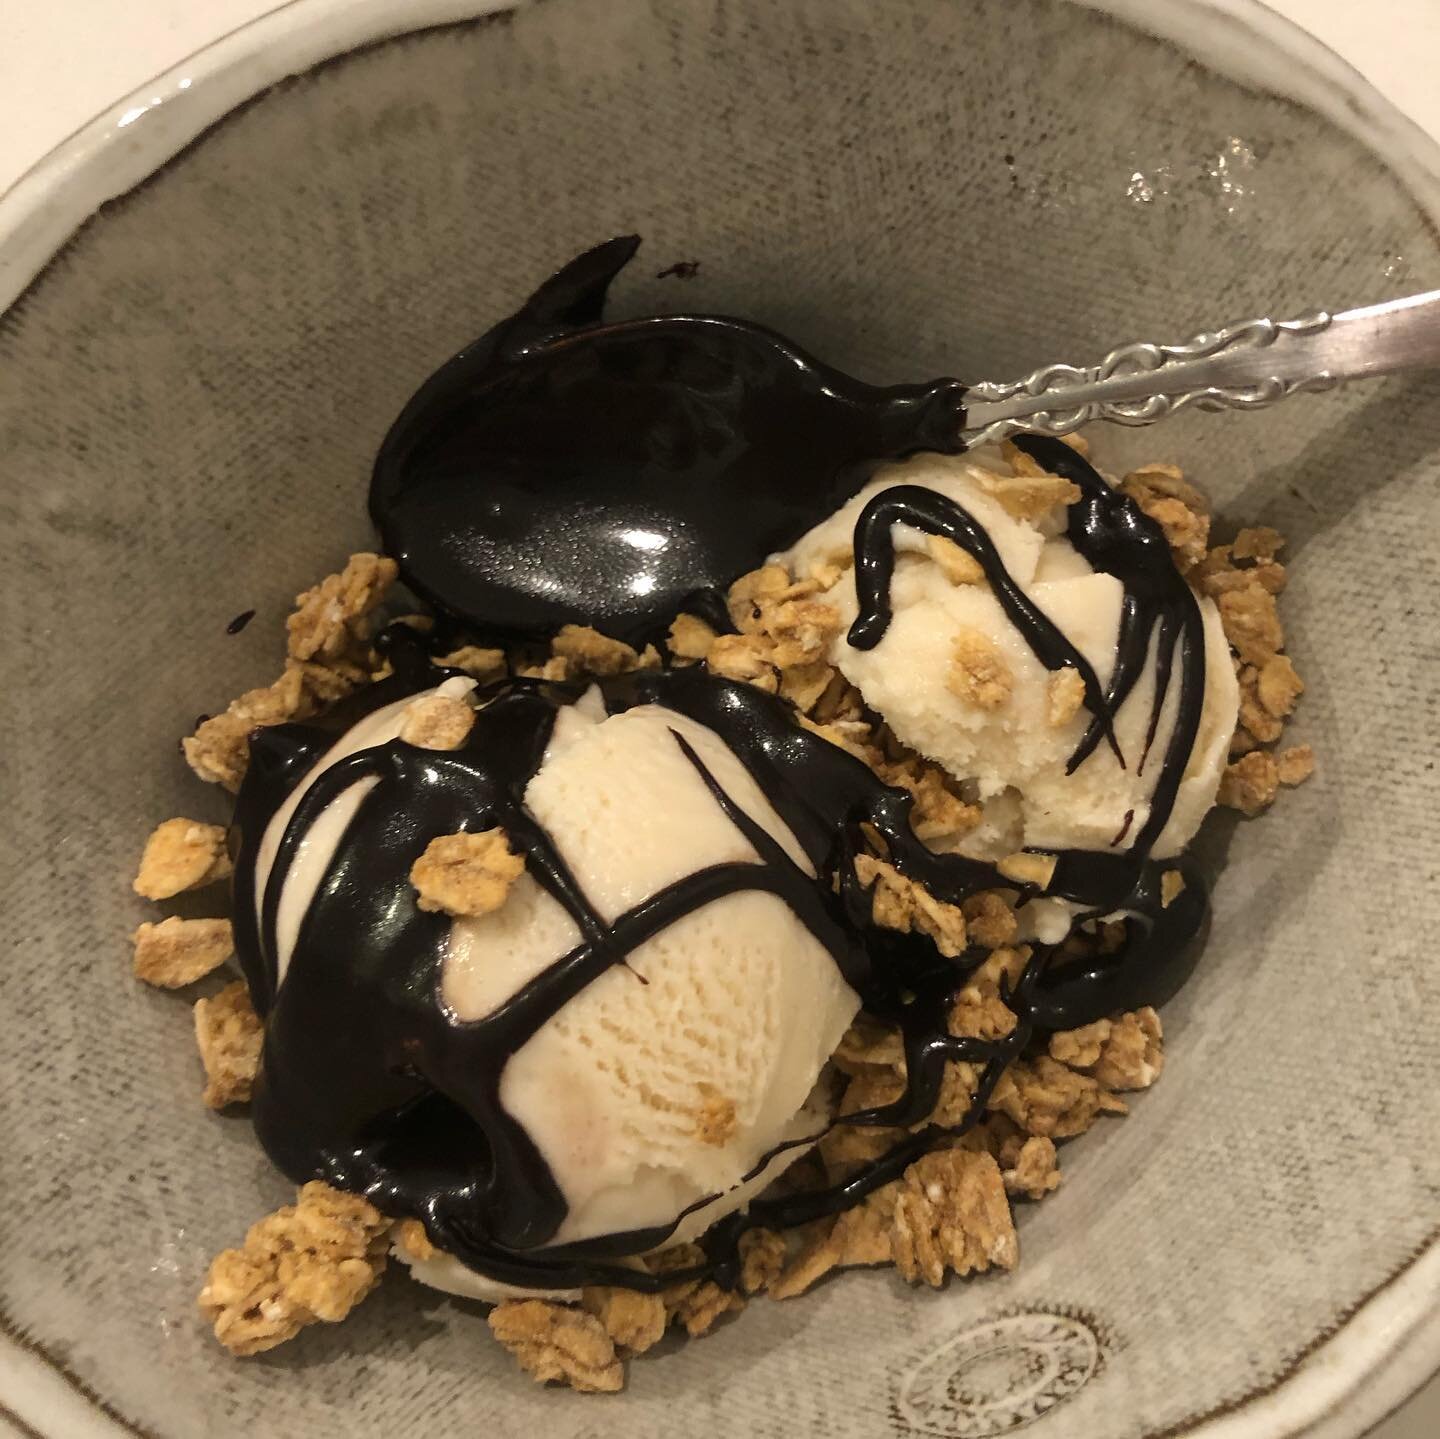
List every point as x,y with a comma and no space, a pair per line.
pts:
63,60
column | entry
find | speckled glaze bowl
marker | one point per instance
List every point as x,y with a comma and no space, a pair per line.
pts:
305,219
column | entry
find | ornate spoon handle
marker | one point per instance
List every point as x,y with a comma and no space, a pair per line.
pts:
1242,367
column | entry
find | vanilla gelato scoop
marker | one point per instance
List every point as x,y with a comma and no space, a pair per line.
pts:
671,1077
677,1085
956,681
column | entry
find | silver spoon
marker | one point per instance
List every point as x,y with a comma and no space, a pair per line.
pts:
566,468
1247,366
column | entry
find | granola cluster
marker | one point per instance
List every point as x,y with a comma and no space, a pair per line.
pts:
559,1342
1031,491
581,652
979,674
182,854
228,1034
177,952
466,874
310,1262
437,722
585,1345
782,635
328,656
901,904
1244,579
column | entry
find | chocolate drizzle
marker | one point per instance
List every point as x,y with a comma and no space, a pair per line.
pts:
367,1080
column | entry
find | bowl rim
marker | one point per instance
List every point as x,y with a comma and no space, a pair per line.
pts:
126,142
1346,1380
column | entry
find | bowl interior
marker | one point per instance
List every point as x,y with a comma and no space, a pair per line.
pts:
190,397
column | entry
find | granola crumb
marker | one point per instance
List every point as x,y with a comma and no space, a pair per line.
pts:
799,630
1269,575
753,589
817,1257
744,658
784,636
1031,492
715,1117
411,1242
703,1306
229,1035
952,1213
1080,1048
804,685
1278,686
559,1344
308,1262
1219,574
937,812
1258,543
437,722
690,637
634,1321
327,683
219,750
589,652
862,1235
1027,867
828,571
466,874
182,854
1187,531
901,904
977,1012
694,1303
1035,1172
1131,1057
949,1212
1020,463
556,668
176,952
865,1234
1295,765
794,626
846,1147
762,1259
990,919
1163,482
958,566
332,620
1172,886
849,735
1250,784
1252,623
840,704
1258,724
1065,696
480,664
978,672
1050,1100
869,1044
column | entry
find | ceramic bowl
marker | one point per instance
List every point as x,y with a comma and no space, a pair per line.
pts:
194,376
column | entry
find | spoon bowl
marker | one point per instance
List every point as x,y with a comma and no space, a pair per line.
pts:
561,469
